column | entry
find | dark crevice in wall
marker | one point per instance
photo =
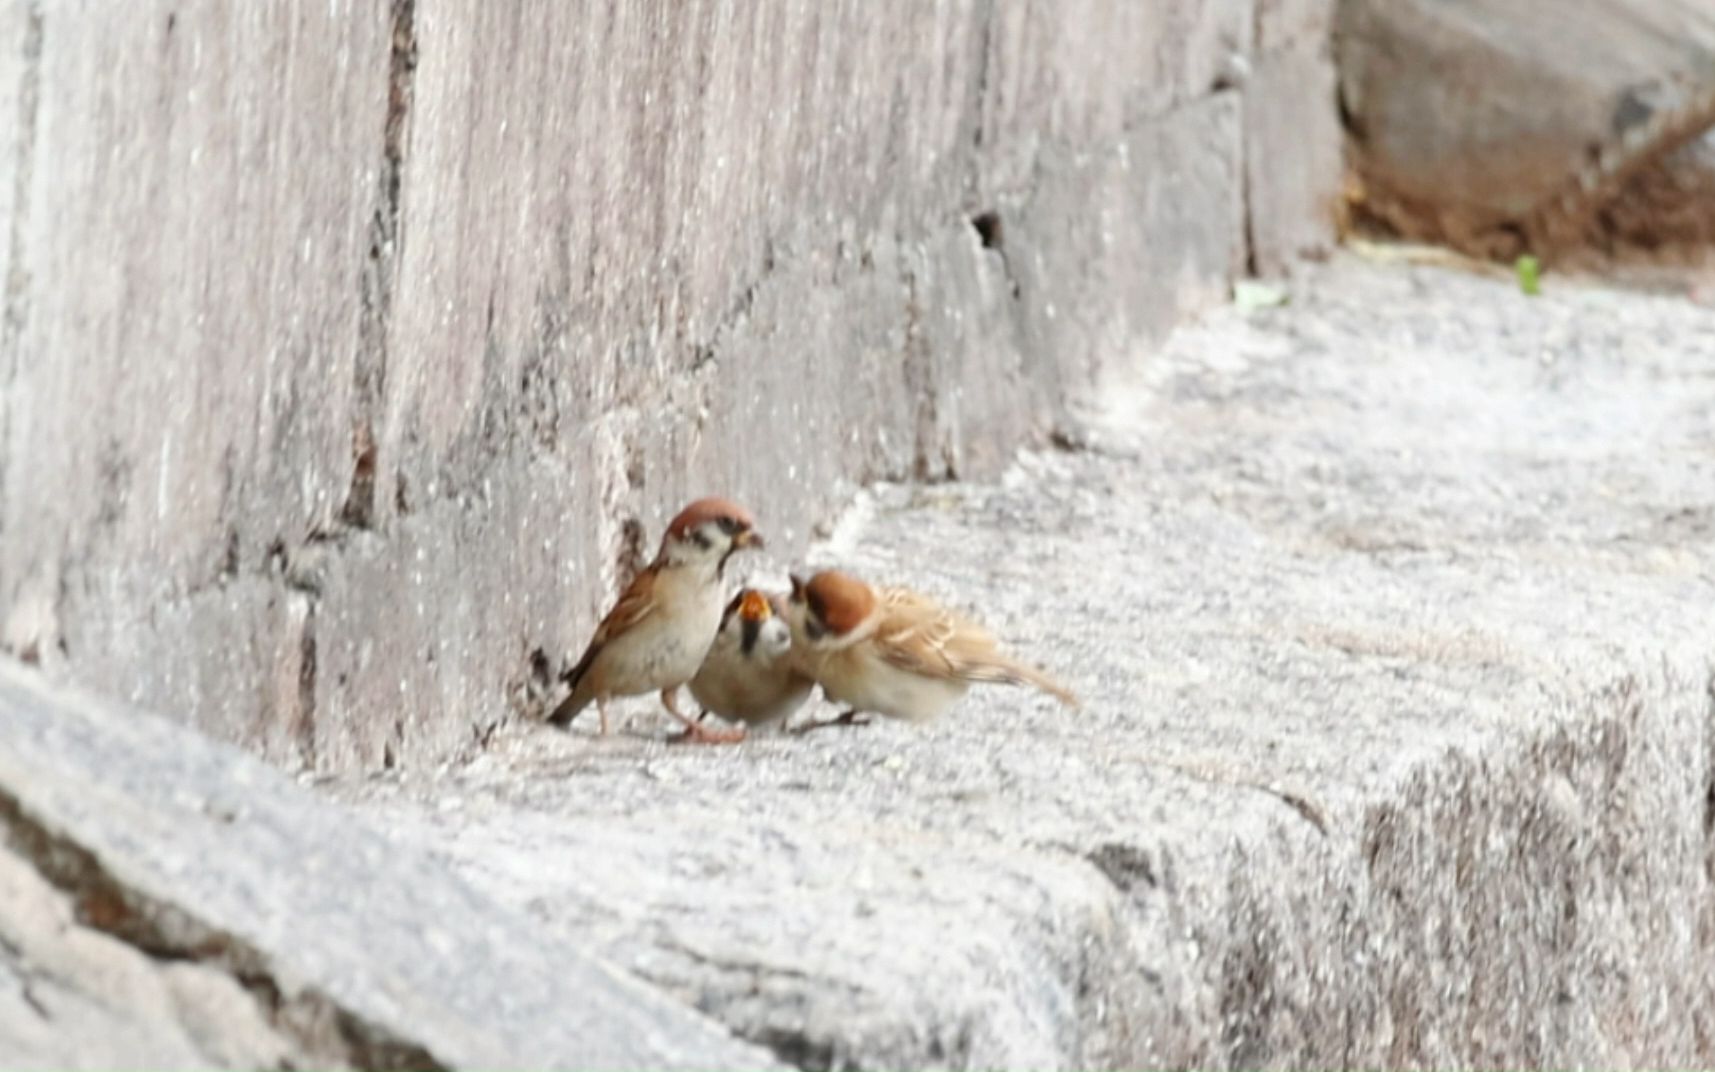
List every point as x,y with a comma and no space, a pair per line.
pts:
303,729
377,280
1247,195
633,553
527,694
980,84
1709,794
991,232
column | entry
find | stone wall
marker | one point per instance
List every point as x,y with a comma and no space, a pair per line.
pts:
350,351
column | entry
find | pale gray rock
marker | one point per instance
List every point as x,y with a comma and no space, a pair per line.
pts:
172,902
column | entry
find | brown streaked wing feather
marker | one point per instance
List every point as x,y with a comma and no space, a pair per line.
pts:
636,603
920,636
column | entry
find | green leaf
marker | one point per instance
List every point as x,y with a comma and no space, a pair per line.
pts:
1529,274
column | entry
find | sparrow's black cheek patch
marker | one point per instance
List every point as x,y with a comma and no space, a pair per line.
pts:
813,629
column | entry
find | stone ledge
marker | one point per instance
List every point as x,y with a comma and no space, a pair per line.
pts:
257,920
1390,613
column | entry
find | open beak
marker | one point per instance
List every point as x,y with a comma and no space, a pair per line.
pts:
749,538
754,607
753,611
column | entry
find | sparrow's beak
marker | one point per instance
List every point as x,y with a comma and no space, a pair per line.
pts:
749,538
797,587
754,607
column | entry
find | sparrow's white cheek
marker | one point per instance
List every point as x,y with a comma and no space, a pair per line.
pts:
776,637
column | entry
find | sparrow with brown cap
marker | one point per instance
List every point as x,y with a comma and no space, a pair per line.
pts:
894,651
654,639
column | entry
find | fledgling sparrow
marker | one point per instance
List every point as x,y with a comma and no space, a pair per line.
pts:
749,675
893,651
655,637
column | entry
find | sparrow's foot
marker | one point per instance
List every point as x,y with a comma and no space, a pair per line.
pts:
697,733
849,718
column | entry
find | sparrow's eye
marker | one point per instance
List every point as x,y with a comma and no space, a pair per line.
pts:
730,525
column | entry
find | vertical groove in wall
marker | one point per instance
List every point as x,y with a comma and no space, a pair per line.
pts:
15,309
380,269
376,283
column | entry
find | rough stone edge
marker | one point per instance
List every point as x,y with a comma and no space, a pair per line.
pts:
166,933
118,890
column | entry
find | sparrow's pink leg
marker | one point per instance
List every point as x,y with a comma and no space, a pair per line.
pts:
601,709
694,730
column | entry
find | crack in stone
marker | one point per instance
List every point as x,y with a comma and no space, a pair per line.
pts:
20,970
312,1021
377,279
794,1047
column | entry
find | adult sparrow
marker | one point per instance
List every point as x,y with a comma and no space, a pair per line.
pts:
655,637
893,651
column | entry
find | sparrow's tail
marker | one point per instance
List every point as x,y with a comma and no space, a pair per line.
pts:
568,709
579,698
1011,672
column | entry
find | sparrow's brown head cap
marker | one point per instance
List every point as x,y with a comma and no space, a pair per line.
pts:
732,518
838,600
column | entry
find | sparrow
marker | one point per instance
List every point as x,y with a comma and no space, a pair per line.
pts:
749,675
655,637
893,651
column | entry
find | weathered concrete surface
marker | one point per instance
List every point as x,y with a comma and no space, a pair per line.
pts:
1466,128
1390,610
167,901
349,349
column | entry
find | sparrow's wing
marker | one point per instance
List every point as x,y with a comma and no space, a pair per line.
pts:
922,637
635,604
